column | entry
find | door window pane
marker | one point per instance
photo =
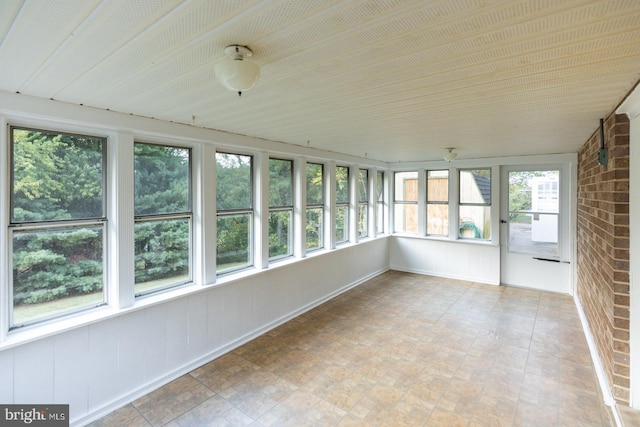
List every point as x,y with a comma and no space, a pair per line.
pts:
533,212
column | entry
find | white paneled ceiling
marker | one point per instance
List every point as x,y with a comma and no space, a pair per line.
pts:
392,80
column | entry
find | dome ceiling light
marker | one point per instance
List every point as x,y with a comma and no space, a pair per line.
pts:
234,71
451,155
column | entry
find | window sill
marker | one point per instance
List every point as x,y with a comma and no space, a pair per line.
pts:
447,239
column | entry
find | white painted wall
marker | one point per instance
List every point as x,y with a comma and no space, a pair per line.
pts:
476,262
98,367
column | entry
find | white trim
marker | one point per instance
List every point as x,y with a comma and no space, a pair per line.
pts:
597,363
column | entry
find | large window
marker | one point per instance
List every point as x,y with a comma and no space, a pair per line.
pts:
234,201
438,203
57,224
405,206
475,204
342,204
162,206
380,202
280,208
363,203
315,206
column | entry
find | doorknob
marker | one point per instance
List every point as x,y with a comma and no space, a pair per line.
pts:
502,221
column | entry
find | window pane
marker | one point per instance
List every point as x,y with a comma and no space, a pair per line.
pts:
380,218
342,184
363,215
438,186
280,233
438,219
161,179
342,224
56,271
363,185
406,186
315,188
475,222
406,218
161,254
280,182
233,181
233,242
475,186
314,228
379,186
56,176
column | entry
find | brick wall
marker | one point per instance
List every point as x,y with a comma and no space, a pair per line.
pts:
603,249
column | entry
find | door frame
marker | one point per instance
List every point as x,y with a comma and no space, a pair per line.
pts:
567,164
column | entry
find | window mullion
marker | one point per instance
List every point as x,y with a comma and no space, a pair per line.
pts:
5,264
261,210
120,231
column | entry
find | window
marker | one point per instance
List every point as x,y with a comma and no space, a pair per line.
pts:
380,203
475,204
280,208
57,224
405,206
315,206
234,201
163,217
342,204
438,203
363,203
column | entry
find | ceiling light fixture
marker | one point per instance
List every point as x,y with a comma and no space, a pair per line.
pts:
451,155
234,71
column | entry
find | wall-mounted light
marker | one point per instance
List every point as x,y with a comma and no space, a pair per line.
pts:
451,155
234,71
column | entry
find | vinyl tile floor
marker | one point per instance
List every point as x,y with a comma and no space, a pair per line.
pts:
399,350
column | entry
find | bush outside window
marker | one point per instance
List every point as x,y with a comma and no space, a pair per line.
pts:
234,201
163,217
315,206
57,224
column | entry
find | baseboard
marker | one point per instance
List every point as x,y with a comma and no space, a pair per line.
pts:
605,387
445,276
185,369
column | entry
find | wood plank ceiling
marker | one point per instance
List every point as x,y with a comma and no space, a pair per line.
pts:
391,80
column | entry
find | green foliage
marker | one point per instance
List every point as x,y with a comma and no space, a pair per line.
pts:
54,264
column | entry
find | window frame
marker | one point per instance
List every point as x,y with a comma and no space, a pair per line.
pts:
403,202
380,203
14,227
283,208
316,206
429,202
363,205
345,205
142,218
488,206
250,212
